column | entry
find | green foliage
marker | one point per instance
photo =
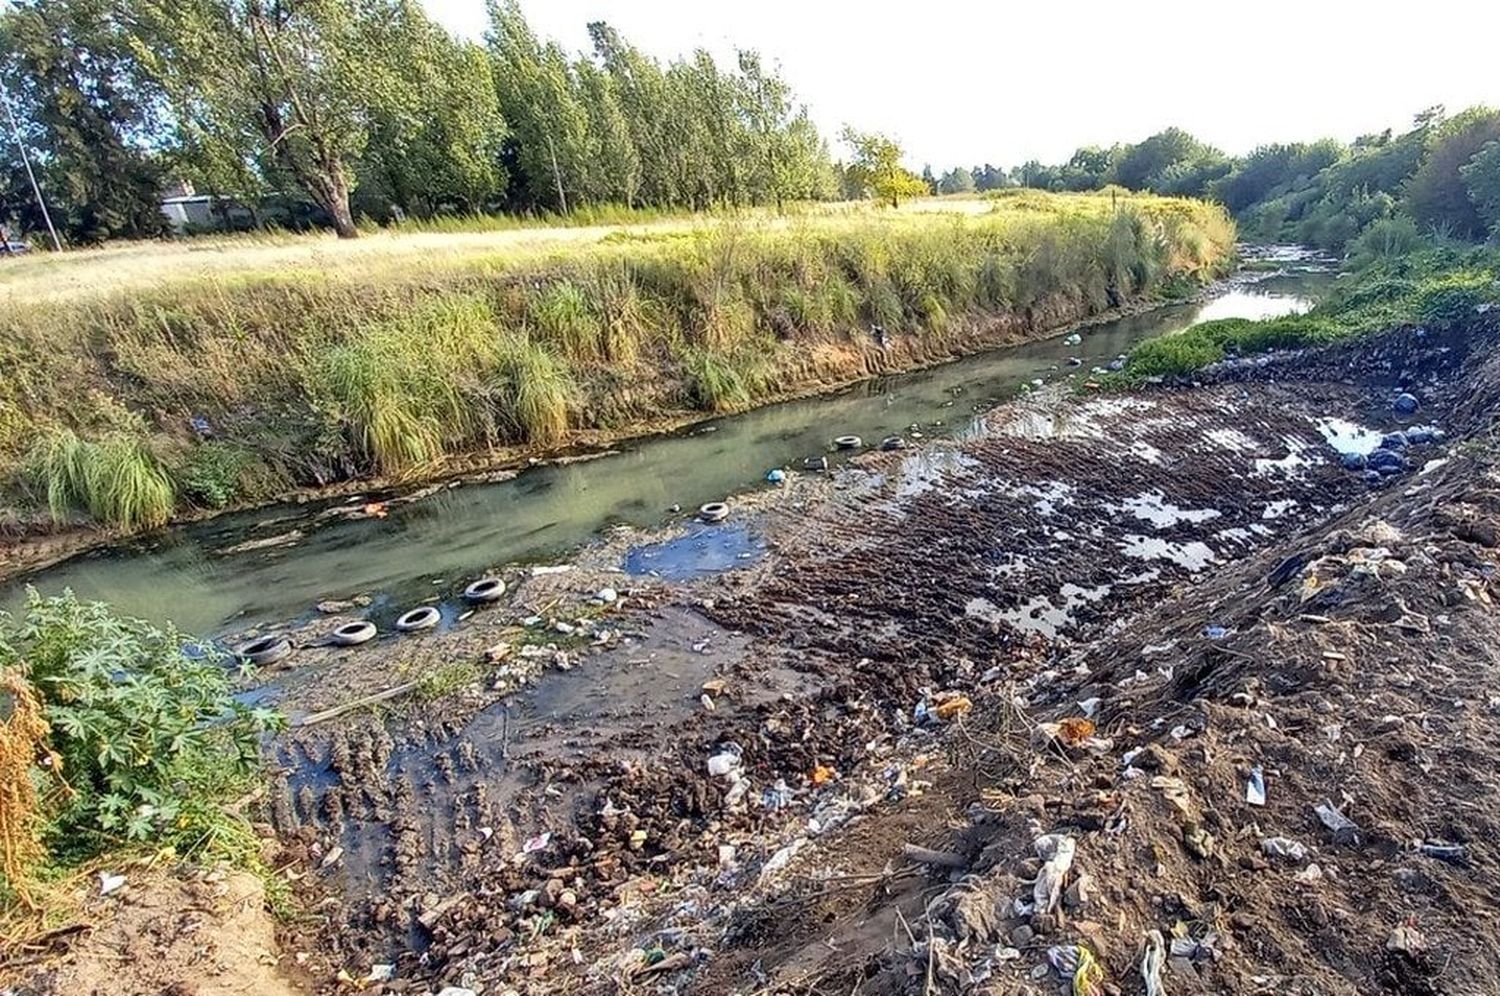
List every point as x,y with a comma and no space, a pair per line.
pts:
1417,287
116,479
534,390
718,382
1481,176
213,474
150,740
876,168
1437,194
956,181
563,316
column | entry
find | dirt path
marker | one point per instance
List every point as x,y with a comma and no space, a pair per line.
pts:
709,785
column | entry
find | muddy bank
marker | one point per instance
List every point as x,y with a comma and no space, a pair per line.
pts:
699,779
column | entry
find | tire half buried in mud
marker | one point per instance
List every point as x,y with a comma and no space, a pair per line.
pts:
353,634
264,650
484,590
848,442
714,511
419,619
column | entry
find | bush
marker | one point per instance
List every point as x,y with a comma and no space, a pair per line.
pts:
147,738
212,475
116,479
1454,298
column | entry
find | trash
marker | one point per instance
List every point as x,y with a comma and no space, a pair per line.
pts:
375,510
955,706
1072,339
707,701
606,596
1310,875
381,973
1076,963
1198,841
332,857
1181,731
1215,632
822,775
1074,730
1405,404
775,476
782,858
110,882
725,761
1283,847
848,442
778,796
1345,831
1255,788
542,570
1407,939
1153,957
1443,851
1057,851
1090,706
537,843
456,991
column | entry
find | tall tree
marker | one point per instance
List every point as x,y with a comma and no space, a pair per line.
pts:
76,91
287,85
1436,194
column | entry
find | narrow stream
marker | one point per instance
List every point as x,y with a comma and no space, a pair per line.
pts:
549,510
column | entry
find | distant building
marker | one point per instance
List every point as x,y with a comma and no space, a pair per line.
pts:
187,211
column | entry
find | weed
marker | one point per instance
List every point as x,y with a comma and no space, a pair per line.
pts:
117,479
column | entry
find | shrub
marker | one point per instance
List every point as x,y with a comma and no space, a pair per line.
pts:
562,315
1453,298
212,475
148,739
116,479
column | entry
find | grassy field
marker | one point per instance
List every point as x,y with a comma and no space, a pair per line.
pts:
143,378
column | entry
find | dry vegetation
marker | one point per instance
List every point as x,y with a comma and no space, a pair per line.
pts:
220,371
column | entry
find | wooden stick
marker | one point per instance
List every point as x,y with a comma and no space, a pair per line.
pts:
336,711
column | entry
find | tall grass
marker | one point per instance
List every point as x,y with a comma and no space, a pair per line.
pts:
116,479
390,364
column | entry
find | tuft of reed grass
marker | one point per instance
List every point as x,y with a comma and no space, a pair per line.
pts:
117,480
533,390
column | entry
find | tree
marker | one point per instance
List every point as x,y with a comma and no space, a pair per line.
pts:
877,168
928,180
438,145
77,95
1144,166
1437,194
956,181
287,86
1482,178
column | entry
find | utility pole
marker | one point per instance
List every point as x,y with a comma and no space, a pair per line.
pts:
36,189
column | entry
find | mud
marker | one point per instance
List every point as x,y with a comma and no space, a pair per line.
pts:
1192,563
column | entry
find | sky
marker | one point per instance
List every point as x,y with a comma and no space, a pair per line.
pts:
965,83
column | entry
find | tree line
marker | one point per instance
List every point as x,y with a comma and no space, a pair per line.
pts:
1380,192
340,108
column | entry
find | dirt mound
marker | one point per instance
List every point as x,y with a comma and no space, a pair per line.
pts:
162,933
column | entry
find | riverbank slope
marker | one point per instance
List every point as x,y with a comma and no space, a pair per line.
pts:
155,396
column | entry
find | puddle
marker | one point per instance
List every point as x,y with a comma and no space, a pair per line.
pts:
1348,437
1154,508
924,470
1039,614
1193,555
702,549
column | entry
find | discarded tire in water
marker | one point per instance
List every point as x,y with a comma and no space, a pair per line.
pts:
848,442
815,464
484,590
418,619
265,650
1405,403
893,443
353,634
714,511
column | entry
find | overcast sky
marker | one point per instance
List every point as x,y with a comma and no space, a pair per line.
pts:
1002,82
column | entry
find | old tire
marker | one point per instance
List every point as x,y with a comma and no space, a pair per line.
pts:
484,590
714,511
419,619
353,634
264,650
848,442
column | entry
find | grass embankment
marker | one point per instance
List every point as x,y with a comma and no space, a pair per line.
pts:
1437,287
303,362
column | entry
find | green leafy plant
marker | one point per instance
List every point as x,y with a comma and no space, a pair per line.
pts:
212,475
148,739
